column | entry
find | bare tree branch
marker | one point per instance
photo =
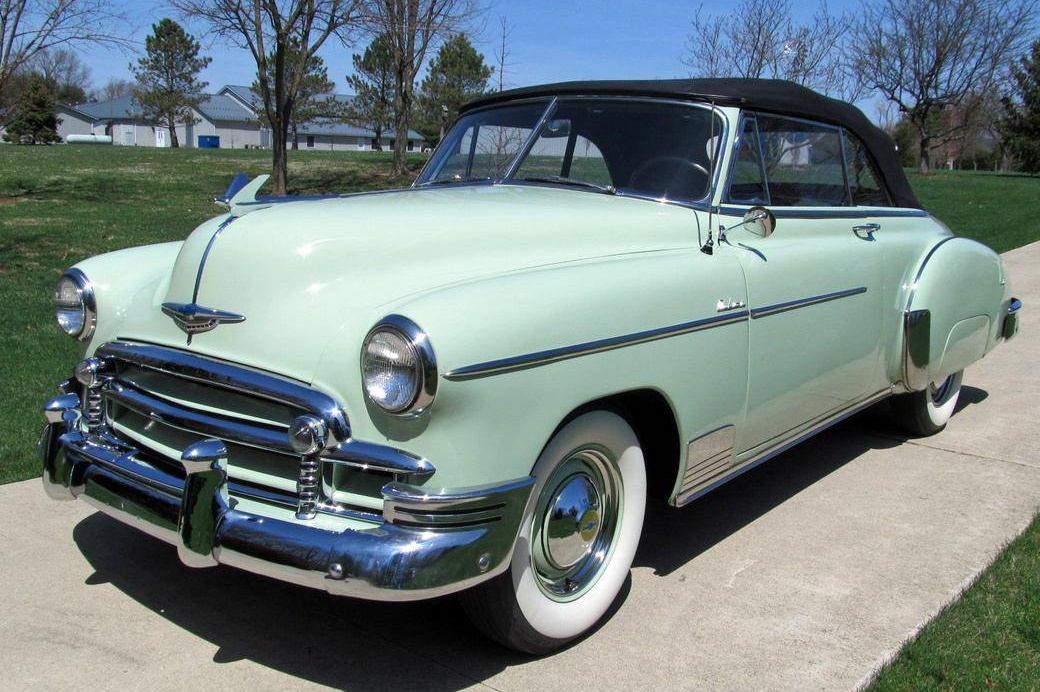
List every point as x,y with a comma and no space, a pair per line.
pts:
411,28
29,27
760,39
936,59
283,36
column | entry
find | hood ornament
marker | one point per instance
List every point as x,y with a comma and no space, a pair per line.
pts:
193,318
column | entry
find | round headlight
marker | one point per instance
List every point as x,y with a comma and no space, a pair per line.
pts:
74,306
398,367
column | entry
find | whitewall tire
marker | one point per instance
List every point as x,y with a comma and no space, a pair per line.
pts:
576,541
927,412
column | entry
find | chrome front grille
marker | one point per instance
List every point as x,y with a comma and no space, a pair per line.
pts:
160,400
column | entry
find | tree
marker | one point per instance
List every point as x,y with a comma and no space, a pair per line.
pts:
65,73
28,27
112,89
1021,122
766,42
309,106
282,36
411,28
168,87
934,58
456,74
373,86
34,120
502,51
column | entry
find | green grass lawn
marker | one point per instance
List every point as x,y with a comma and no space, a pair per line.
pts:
1000,210
989,639
61,204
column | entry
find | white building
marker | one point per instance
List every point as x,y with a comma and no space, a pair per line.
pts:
229,119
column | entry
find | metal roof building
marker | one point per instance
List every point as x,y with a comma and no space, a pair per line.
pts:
228,119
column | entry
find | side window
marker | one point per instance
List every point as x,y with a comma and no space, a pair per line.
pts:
863,180
803,162
747,185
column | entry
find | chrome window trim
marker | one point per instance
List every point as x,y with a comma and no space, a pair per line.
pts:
845,136
745,116
733,209
539,358
524,150
758,313
845,172
700,204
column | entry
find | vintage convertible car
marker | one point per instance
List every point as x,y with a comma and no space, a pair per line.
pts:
594,294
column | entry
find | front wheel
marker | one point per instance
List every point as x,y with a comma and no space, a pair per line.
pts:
576,541
927,412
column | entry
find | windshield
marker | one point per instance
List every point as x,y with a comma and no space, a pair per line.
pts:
643,147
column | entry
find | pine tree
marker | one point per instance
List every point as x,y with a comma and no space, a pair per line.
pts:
34,120
373,86
168,85
1021,123
457,74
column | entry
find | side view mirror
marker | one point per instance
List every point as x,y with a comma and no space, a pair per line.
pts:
760,221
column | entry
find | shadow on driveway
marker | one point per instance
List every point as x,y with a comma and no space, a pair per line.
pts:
426,645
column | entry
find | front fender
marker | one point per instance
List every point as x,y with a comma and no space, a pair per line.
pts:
126,282
493,426
953,311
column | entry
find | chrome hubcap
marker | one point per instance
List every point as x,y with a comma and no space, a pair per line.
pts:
575,521
572,522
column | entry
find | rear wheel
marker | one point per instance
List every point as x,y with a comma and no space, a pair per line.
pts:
576,541
927,412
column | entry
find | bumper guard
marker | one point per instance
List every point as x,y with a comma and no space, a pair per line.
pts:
428,544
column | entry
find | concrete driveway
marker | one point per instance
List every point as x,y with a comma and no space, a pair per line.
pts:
803,574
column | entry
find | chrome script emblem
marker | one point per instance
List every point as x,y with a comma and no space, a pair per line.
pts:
193,318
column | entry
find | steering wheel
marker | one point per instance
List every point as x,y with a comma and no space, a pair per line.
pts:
665,174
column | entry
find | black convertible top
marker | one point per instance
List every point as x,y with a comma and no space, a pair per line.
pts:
768,95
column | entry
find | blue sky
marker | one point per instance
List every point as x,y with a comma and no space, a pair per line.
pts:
550,41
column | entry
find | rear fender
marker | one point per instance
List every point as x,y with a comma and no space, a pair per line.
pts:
953,310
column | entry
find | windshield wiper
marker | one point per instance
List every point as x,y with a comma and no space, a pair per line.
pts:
563,180
449,181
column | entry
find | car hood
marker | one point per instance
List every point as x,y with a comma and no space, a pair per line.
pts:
303,272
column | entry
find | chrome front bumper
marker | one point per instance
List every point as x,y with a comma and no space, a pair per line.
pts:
428,543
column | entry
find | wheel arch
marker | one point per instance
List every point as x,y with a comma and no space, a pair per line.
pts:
654,422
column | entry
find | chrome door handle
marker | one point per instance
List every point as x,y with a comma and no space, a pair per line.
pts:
869,229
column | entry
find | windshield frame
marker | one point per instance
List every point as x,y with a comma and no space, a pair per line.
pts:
552,104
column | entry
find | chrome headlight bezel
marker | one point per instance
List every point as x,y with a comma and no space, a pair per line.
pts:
424,389
86,304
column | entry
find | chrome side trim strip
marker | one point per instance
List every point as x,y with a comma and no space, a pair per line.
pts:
821,424
707,457
205,255
756,313
920,270
539,358
830,213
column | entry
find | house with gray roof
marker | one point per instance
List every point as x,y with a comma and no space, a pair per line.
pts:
229,119
327,134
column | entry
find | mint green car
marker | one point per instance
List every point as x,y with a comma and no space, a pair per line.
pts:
595,295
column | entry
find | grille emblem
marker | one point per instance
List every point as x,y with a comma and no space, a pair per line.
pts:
193,318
